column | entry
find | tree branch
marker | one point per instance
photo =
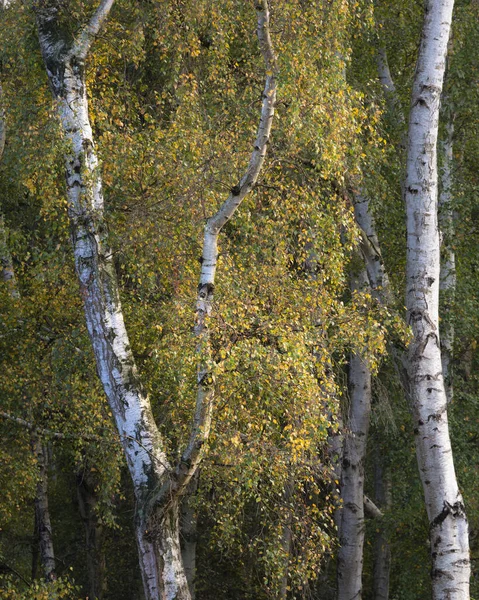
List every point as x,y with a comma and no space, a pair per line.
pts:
57,435
87,35
371,510
191,457
387,83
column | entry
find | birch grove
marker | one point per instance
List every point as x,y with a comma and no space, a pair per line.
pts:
221,393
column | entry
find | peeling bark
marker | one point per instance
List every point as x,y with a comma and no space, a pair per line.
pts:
444,504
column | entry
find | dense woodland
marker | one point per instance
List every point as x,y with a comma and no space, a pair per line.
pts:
284,194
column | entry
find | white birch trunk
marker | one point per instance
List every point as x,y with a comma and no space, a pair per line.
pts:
42,512
444,504
352,526
370,250
144,448
447,284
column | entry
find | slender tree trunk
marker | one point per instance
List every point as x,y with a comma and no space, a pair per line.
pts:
447,285
382,550
189,537
444,504
42,513
387,83
352,527
287,537
94,535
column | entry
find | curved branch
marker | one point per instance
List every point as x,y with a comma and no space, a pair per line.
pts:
191,457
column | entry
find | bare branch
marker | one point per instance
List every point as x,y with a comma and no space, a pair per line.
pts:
370,249
248,180
371,510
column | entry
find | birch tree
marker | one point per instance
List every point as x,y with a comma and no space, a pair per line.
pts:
158,484
352,525
444,504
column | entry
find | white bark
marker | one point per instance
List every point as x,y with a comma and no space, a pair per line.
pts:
42,512
389,88
444,504
447,284
352,526
370,250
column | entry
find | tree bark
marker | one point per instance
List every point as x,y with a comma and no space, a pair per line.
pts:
189,537
444,504
387,83
94,535
447,285
352,526
382,550
42,513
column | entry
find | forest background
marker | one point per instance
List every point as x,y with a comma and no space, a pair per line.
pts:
175,91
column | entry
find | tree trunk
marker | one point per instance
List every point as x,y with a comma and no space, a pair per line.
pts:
188,530
351,530
42,513
160,555
94,535
444,504
141,441
382,550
